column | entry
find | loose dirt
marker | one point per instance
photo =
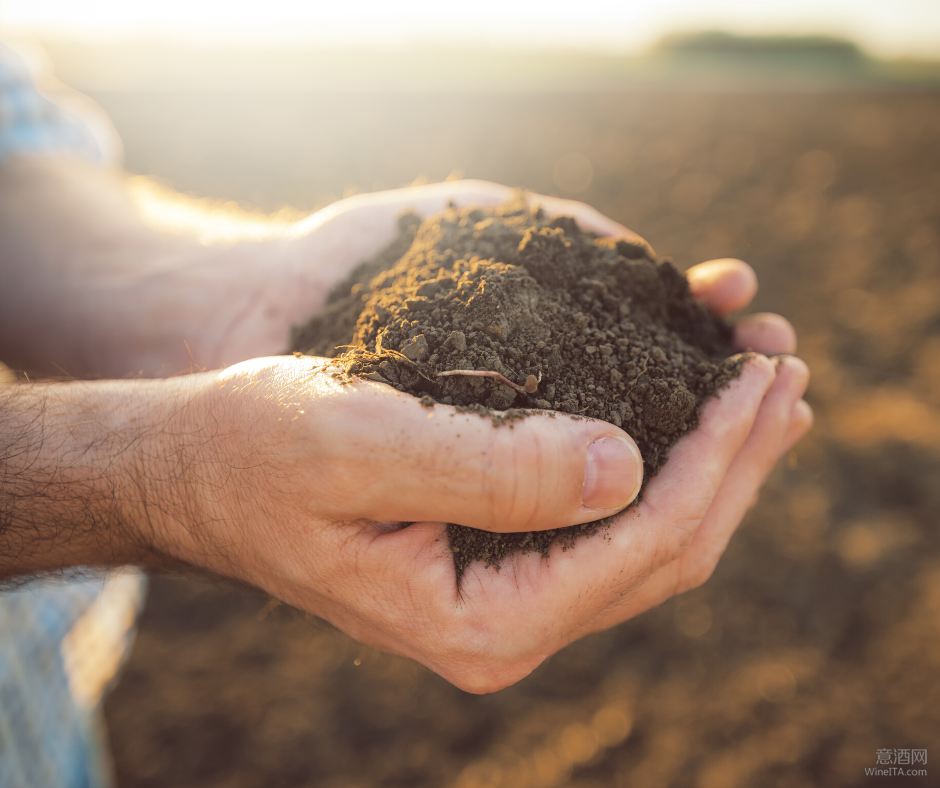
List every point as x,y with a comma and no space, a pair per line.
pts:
555,319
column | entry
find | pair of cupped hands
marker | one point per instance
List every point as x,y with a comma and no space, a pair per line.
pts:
292,480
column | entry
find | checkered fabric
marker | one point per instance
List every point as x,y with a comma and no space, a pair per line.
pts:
62,640
61,644
40,115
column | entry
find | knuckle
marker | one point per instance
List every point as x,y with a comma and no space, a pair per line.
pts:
697,501
701,574
514,480
677,542
692,576
683,525
688,517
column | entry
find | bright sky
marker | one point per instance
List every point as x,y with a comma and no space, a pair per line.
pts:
890,28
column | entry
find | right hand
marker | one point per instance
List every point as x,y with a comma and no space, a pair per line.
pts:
285,479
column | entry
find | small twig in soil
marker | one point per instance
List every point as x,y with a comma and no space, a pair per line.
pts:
636,380
530,387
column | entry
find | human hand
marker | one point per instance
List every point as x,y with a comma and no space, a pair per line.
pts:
319,251
300,482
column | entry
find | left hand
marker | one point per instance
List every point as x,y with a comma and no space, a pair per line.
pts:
319,251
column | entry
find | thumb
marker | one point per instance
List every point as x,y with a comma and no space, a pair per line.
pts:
422,463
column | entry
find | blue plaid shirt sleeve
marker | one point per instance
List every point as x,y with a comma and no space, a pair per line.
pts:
62,640
40,115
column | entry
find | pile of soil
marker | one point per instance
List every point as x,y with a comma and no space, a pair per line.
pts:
589,326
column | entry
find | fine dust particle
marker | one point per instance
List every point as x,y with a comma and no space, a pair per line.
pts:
592,327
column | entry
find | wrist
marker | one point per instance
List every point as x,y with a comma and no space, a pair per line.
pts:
213,306
169,469
186,482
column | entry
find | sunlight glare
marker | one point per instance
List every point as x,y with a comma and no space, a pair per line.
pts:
903,27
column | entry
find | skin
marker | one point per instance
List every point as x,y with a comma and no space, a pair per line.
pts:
277,474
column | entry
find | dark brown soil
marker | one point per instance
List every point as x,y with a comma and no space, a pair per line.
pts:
588,326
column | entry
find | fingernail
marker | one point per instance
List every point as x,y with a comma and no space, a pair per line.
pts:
613,471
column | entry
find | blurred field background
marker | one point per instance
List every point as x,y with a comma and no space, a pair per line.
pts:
817,642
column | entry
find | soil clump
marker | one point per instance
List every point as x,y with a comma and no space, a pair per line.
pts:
553,317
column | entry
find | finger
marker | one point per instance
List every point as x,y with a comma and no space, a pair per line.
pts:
801,421
415,463
737,493
726,285
765,333
681,494
588,218
598,573
748,472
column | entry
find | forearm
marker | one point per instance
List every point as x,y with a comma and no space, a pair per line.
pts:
92,289
59,493
93,473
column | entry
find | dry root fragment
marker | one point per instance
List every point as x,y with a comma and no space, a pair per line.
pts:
530,387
